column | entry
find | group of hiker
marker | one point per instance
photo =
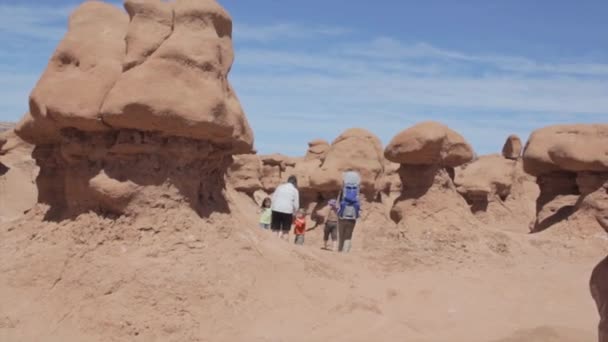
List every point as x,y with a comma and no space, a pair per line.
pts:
282,210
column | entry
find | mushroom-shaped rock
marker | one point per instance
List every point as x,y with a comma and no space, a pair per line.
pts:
512,148
488,178
429,143
571,148
355,149
429,199
84,67
144,101
317,150
497,190
245,172
570,161
427,153
196,57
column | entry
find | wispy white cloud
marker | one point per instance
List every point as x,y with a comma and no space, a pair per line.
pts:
282,31
391,49
385,85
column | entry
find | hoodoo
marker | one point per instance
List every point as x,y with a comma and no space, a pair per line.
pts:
130,112
497,189
428,153
356,149
571,165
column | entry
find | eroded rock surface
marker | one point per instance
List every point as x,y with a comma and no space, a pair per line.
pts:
135,110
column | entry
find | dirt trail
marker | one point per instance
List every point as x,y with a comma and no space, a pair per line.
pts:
223,279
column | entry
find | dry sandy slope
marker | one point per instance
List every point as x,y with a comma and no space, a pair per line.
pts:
174,277
18,173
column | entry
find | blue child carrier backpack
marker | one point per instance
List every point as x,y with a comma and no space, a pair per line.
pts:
349,202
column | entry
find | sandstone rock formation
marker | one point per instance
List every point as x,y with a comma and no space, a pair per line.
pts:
151,24
571,165
427,153
140,234
245,173
18,173
598,285
136,111
317,150
570,148
389,183
41,131
486,179
512,148
274,169
498,190
356,149
429,143
143,99
83,69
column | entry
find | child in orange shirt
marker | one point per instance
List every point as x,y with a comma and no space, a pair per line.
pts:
300,226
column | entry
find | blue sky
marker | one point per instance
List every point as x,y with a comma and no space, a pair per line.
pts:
310,69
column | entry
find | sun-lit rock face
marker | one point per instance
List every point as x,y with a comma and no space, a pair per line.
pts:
137,103
571,165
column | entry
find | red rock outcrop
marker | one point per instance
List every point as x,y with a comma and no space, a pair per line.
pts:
136,111
18,173
40,131
498,190
83,69
151,24
273,170
245,173
571,165
356,149
512,148
317,150
389,182
429,143
598,285
570,148
427,153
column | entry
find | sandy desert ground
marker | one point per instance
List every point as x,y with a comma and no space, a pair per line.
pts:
129,206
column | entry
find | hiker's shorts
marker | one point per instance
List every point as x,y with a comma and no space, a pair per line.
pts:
331,229
281,221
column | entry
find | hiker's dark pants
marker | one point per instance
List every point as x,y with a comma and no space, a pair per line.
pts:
599,291
345,234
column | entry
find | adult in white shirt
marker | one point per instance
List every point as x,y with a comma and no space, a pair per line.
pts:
285,203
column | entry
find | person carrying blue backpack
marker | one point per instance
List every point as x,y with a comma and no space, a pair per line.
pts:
349,211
